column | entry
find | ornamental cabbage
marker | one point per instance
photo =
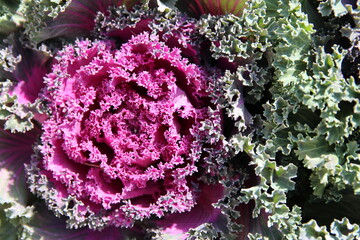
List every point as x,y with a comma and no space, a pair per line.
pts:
123,137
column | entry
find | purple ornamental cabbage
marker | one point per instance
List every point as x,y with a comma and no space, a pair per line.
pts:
124,139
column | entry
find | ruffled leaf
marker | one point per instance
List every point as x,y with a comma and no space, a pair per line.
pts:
177,226
332,6
44,225
19,103
344,229
10,17
8,62
37,13
13,210
78,18
17,117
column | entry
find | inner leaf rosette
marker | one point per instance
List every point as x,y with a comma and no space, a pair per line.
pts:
123,139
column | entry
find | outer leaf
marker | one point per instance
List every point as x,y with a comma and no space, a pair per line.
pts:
78,18
177,225
19,99
36,14
335,6
10,19
29,72
44,225
8,61
344,229
15,150
197,8
7,230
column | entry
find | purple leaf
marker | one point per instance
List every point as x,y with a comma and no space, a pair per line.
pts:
196,8
78,18
29,74
16,149
203,212
48,227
